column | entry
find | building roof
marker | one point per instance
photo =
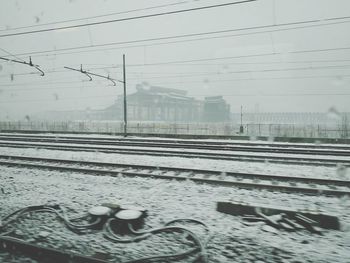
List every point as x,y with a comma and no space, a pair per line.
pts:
157,89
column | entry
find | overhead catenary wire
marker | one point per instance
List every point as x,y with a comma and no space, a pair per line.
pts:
30,63
280,95
60,99
248,71
54,89
191,35
137,74
128,18
108,67
220,58
179,62
48,83
189,62
252,79
174,62
206,81
81,71
259,63
185,63
113,66
9,53
254,55
89,74
219,73
97,16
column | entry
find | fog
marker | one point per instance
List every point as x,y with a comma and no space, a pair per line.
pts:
300,67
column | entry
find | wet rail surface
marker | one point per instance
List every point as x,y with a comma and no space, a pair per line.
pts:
296,160
291,184
285,148
227,142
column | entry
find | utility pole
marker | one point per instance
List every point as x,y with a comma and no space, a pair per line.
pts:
125,112
241,130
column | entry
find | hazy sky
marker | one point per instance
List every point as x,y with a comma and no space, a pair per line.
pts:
259,69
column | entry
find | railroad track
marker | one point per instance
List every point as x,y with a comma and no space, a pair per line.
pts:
177,141
176,153
333,150
303,185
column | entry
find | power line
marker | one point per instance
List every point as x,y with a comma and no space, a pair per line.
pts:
165,83
282,95
71,98
251,79
192,35
182,62
247,71
89,74
45,83
234,63
52,89
241,56
128,18
249,33
180,82
7,52
46,73
30,63
267,62
112,66
230,72
98,16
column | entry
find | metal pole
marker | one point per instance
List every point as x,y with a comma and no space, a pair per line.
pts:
241,129
241,115
125,113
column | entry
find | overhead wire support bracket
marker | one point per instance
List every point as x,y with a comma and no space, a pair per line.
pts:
81,71
89,74
30,63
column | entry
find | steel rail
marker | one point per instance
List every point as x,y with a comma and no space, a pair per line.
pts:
180,136
324,181
176,141
205,176
178,145
183,154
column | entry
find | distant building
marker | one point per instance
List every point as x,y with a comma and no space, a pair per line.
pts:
161,104
153,103
216,109
172,105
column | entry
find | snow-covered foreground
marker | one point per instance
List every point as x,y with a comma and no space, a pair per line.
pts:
166,200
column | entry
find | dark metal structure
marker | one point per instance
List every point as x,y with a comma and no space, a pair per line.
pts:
216,109
153,103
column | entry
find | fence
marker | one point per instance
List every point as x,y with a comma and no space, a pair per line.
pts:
227,129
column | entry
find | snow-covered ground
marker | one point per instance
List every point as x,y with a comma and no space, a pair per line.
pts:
326,153
252,141
196,163
232,241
